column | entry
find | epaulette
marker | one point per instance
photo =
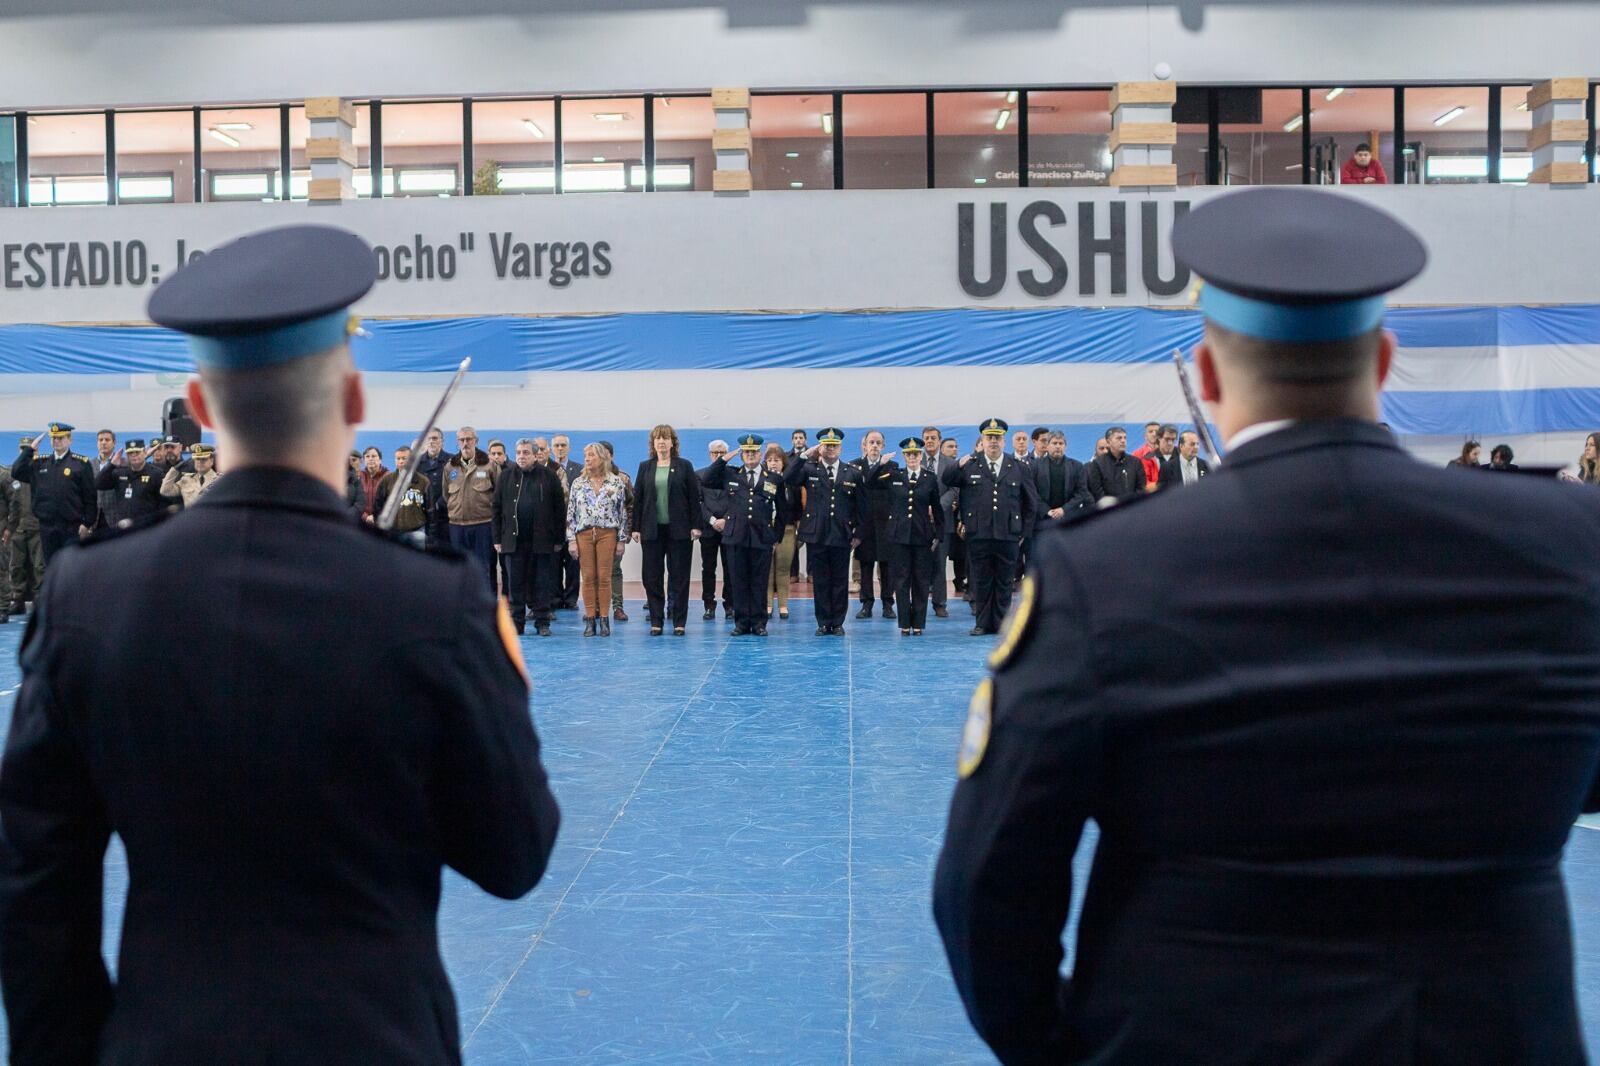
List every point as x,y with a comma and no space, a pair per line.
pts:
80,458
127,526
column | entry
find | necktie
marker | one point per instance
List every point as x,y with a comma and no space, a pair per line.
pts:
994,471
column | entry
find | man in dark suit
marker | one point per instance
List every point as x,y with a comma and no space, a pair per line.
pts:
569,580
287,799
797,447
934,461
833,506
870,555
713,505
996,509
1059,480
1116,472
1185,467
530,519
1332,810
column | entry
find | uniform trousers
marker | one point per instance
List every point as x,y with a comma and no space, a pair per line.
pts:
27,565
990,566
783,557
597,549
476,541
870,555
53,538
616,581
830,576
938,582
749,572
530,585
666,558
958,562
911,570
710,549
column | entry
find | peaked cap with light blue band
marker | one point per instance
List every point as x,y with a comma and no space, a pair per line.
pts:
1296,265
751,442
268,297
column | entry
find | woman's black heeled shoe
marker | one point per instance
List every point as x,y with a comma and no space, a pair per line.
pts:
588,627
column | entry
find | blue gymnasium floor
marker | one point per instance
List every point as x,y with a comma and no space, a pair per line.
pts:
743,872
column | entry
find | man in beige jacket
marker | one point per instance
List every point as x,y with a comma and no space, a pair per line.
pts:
190,485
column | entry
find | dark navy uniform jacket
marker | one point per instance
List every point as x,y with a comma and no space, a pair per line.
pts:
1333,777
990,508
287,789
833,505
135,494
912,512
754,518
63,489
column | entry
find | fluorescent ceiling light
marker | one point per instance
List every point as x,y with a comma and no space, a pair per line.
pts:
827,122
599,158
231,142
533,127
1292,166
1450,116
240,126
1011,97
1523,106
1293,124
980,181
1334,94
609,116
791,155
797,185
1003,118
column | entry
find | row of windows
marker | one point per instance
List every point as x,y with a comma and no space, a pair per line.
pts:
821,140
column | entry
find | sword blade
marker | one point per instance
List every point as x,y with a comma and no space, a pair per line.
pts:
1195,411
391,507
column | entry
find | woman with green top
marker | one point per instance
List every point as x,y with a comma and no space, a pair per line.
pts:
667,522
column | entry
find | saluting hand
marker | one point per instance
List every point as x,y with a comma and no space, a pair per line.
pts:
116,457
39,440
886,457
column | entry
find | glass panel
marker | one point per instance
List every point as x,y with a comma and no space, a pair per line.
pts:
146,188
600,139
1447,138
239,140
300,169
684,159
885,141
1267,151
1342,120
513,146
975,139
1068,138
155,143
363,181
423,138
67,158
8,161
1516,161
793,141
1190,153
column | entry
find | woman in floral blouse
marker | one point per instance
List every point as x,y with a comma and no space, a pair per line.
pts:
597,532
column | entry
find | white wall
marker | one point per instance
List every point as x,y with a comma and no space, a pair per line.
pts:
127,52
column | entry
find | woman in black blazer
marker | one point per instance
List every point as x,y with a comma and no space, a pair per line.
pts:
666,521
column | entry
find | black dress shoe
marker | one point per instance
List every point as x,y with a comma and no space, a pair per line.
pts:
740,630
978,631
677,631
760,631
655,631
888,611
941,611
905,632
865,612
783,615
544,630
823,631
711,612
916,632
837,631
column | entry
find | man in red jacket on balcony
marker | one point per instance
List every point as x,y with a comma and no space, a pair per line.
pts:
1363,168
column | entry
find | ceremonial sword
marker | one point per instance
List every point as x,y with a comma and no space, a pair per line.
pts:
1199,416
391,509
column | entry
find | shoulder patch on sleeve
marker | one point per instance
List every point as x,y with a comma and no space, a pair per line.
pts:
975,735
509,641
1017,624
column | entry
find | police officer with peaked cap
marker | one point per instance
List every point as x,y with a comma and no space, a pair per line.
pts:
285,815
63,488
829,526
996,506
134,485
915,526
749,531
1332,800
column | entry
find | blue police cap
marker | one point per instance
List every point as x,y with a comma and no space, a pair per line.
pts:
994,427
61,429
830,435
268,297
1296,265
911,444
750,442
